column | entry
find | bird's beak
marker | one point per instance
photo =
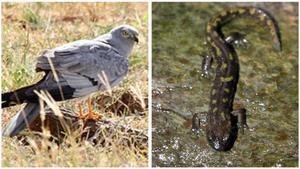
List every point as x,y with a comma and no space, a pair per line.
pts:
135,38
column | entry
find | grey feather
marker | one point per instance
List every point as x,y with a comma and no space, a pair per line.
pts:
77,81
79,62
18,123
85,91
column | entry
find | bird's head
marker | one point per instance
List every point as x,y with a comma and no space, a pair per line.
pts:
125,33
123,38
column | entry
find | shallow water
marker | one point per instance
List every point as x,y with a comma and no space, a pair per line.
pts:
268,88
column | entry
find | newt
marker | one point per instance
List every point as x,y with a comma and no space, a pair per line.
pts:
223,122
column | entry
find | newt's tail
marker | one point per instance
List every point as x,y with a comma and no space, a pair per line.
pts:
214,26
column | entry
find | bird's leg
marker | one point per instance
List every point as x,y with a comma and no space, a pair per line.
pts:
91,114
81,115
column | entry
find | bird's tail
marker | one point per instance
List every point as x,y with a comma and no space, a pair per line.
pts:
8,99
18,96
22,119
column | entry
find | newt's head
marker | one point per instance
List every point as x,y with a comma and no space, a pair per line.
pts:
221,134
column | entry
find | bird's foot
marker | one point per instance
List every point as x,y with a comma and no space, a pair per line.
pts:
90,115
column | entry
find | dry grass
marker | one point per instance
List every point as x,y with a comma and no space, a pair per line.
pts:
28,29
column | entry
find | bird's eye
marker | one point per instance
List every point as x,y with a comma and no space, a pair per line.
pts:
125,34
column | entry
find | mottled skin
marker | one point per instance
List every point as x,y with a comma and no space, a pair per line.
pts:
222,121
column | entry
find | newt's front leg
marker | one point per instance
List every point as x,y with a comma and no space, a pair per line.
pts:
206,65
242,118
196,122
238,39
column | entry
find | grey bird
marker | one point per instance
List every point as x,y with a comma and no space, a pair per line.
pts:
77,66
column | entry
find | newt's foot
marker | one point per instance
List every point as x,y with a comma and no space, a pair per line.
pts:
206,66
242,119
238,39
90,115
195,122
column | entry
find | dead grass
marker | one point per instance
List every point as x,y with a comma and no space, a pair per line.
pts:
28,29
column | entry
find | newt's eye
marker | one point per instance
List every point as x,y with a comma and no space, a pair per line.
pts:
125,34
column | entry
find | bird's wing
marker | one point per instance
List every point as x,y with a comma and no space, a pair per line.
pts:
80,63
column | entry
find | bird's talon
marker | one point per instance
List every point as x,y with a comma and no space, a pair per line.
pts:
90,115
93,116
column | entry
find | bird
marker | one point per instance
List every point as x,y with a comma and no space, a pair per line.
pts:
73,70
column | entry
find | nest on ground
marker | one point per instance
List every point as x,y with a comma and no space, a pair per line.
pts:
97,132
57,127
128,102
